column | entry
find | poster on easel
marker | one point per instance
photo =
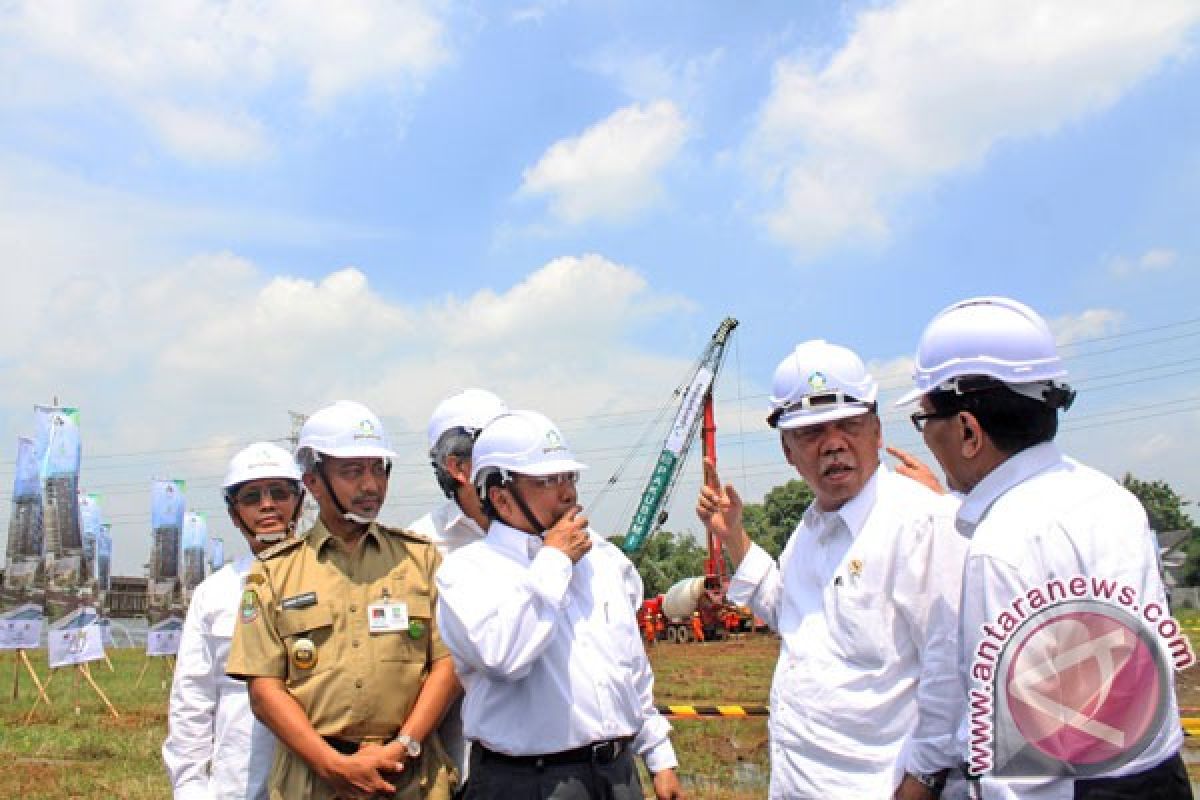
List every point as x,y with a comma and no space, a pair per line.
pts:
163,638
21,628
75,639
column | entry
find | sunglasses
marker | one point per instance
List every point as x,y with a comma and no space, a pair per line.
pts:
279,493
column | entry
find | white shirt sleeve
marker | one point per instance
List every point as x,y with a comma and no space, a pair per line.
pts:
188,748
927,592
652,742
758,584
504,639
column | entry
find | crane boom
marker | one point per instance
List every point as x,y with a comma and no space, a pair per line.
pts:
695,405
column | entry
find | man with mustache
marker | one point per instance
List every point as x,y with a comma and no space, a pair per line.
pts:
864,702
215,747
336,633
541,618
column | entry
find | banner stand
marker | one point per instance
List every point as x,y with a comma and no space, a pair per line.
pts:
167,665
19,658
80,670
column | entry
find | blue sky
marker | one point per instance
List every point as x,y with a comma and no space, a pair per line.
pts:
215,212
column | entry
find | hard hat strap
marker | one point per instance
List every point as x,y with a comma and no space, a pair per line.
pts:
337,503
539,528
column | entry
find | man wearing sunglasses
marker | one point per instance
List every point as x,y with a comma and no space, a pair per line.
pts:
541,619
215,747
336,635
1083,710
453,428
864,702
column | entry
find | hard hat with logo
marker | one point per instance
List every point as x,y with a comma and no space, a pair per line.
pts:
260,460
345,430
522,442
994,338
471,409
820,382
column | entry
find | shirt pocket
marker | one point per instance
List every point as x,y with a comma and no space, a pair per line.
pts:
300,628
857,625
412,644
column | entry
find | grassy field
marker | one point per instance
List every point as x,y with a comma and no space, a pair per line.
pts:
76,749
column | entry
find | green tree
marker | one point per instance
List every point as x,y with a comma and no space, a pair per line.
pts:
666,558
772,521
1164,507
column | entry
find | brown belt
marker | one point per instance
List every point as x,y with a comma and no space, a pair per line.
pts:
349,747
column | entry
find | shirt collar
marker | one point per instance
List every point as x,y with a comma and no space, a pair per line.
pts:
854,512
452,516
318,535
1014,470
513,542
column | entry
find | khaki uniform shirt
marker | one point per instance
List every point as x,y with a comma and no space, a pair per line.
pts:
303,618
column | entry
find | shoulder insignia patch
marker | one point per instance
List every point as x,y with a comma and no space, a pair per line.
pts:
255,578
249,611
282,547
412,536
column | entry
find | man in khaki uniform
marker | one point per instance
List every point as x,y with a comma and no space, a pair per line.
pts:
337,638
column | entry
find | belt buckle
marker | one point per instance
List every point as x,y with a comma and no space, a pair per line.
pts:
606,752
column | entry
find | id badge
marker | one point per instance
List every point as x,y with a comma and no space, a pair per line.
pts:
387,617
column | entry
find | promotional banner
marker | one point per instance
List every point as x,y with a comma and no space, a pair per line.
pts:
167,506
218,554
75,639
25,534
104,555
21,628
163,638
91,520
59,451
195,545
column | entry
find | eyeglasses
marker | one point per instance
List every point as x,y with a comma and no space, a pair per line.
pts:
919,417
279,493
548,481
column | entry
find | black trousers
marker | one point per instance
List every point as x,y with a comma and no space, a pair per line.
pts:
494,780
1167,781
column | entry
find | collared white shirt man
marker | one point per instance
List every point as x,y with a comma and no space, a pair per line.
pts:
864,702
215,748
1069,517
549,655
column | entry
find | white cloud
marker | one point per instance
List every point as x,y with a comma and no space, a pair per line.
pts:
1087,324
1158,259
183,359
228,58
648,75
612,170
922,89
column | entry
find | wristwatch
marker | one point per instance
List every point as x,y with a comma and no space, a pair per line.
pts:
935,782
411,745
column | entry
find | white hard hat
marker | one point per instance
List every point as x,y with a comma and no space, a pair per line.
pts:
524,442
345,430
993,337
820,382
260,460
471,409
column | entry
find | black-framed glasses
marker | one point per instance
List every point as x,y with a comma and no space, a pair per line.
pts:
554,480
919,417
278,492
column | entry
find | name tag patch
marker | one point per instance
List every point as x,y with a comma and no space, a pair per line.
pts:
299,601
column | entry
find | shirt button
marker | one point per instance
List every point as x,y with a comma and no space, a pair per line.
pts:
353,609
358,684
354,643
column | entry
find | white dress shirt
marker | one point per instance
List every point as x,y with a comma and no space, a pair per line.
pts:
449,528
215,748
1041,516
865,599
549,652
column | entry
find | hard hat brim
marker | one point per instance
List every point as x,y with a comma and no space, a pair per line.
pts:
551,467
910,397
802,417
358,451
